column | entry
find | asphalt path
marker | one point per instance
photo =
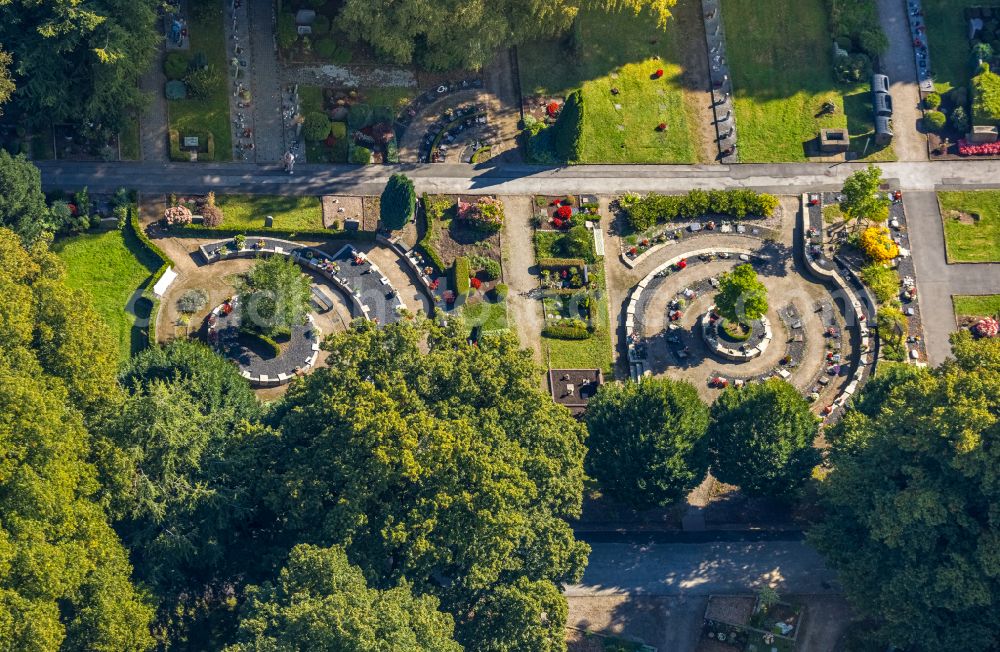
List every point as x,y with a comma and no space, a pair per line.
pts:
790,178
657,569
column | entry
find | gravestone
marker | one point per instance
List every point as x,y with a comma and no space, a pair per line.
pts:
269,221
305,17
352,225
190,141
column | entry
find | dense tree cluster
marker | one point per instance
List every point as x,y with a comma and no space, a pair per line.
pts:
463,34
912,524
78,62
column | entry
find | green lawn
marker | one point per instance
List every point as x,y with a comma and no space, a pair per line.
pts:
129,140
593,352
620,50
110,267
210,113
983,305
290,213
487,314
947,40
977,242
781,71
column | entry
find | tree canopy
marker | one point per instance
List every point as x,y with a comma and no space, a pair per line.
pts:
761,437
275,295
742,297
6,83
862,198
322,602
78,62
399,201
438,461
461,34
22,203
911,523
647,445
64,576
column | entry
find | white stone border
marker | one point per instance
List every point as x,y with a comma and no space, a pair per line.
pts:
708,334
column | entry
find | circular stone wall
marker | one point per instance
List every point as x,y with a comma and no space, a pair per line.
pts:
756,344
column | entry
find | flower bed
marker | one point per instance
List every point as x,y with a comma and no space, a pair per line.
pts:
564,212
984,149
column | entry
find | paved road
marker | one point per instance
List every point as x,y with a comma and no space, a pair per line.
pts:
786,178
703,568
898,63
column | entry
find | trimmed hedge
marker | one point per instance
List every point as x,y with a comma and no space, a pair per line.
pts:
560,264
460,273
268,343
644,212
165,262
568,136
200,231
426,244
563,332
177,154
986,97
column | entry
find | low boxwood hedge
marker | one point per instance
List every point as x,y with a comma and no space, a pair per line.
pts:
460,273
566,332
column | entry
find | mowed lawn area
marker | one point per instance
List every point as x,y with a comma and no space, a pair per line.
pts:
621,50
209,113
948,42
985,305
780,64
290,213
109,267
971,226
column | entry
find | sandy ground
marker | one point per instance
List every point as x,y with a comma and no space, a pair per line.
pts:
518,268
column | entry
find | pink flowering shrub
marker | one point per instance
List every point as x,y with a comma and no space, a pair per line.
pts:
177,215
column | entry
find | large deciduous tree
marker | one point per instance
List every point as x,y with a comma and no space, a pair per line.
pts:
78,62
438,461
742,297
6,83
761,437
275,296
398,202
22,203
322,602
862,198
646,445
464,34
912,521
64,576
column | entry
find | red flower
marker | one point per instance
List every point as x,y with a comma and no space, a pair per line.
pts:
557,222
662,126
681,264
73,209
659,72
476,283
564,212
632,251
552,109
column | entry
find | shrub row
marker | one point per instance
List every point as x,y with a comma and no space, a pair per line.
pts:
177,154
566,332
644,212
165,262
559,264
460,275
426,244
268,343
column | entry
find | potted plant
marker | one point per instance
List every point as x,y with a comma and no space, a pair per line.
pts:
240,241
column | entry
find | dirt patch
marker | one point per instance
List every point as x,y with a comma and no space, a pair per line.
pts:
370,209
962,217
338,208
668,623
733,609
577,641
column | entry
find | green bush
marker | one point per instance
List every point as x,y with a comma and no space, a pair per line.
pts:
959,120
500,291
272,347
361,155
852,68
566,332
538,141
569,129
321,25
932,101
287,33
398,202
491,269
882,281
934,121
460,273
202,82
359,116
325,47
316,126
986,97
559,264
576,243
175,65
338,130
644,212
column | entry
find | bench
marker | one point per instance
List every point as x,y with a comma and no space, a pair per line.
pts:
321,299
